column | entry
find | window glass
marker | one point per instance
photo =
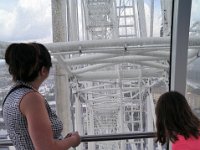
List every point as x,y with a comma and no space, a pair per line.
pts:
193,73
114,88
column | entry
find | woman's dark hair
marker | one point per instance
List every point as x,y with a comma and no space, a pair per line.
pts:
175,117
25,60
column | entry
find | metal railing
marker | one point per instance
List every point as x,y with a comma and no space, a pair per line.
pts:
105,137
112,137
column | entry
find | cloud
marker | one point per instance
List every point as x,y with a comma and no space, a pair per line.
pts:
195,11
7,23
29,20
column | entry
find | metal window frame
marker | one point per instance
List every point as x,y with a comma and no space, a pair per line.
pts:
179,44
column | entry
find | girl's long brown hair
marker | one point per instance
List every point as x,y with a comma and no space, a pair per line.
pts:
174,116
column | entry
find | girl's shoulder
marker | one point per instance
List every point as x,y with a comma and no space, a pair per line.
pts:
182,143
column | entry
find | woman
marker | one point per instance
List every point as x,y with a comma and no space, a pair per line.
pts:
30,122
176,122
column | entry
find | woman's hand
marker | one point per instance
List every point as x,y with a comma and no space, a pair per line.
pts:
74,137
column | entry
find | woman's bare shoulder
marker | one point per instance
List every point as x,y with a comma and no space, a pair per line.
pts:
32,101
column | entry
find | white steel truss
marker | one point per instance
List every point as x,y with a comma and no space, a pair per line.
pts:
100,19
114,91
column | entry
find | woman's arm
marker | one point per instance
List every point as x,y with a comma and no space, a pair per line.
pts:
39,126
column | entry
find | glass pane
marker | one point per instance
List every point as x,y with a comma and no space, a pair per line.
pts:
114,85
193,74
138,73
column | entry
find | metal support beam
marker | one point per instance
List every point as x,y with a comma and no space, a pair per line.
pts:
59,20
62,85
111,46
72,20
180,36
102,75
179,45
75,45
142,19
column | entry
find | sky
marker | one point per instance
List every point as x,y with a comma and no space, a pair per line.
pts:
25,20
30,20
